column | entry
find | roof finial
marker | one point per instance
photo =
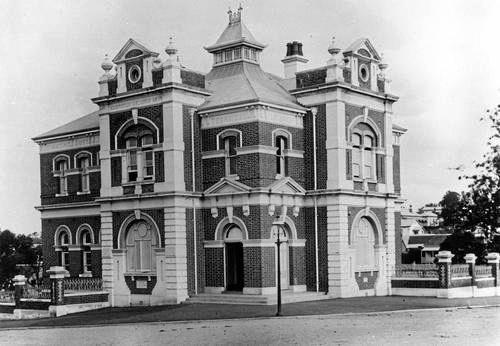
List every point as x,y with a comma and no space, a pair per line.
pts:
235,17
171,50
332,49
107,65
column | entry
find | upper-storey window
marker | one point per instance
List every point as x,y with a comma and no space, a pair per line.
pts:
139,141
61,166
282,144
230,143
363,155
83,162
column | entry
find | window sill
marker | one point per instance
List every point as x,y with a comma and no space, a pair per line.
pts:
142,182
360,180
61,194
85,275
233,177
83,193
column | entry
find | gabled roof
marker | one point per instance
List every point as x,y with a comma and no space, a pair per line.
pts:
86,123
130,45
243,82
427,241
226,186
365,44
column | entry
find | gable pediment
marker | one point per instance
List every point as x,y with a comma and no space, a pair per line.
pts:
364,48
226,186
132,49
287,186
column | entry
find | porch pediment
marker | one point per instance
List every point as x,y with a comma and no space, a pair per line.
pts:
133,45
287,185
226,186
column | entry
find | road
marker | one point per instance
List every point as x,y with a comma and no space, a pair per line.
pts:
478,326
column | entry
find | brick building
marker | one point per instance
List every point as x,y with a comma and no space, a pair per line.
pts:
178,183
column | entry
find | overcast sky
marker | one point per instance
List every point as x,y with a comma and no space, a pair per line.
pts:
442,55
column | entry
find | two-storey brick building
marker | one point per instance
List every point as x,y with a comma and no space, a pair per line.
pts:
177,184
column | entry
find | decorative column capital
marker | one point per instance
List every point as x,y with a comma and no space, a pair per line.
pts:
493,258
470,258
444,256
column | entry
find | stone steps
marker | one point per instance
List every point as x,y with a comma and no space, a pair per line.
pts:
247,299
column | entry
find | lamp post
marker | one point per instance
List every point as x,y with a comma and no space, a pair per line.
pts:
277,231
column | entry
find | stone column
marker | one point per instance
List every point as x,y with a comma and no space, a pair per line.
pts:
444,268
470,259
106,248
336,146
339,269
19,283
175,254
390,258
57,275
173,146
493,259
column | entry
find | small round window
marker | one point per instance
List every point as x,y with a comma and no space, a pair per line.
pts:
134,74
363,72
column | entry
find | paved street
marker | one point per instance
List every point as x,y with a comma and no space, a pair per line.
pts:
443,326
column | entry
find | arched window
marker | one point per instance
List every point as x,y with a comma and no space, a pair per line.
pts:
83,162
85,242
61,166
363,154
63,240
138,141
364,242
140,241
234,233
281,142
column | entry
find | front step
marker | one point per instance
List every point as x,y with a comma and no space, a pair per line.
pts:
248,299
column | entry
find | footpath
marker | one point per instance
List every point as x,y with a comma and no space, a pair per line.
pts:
191,312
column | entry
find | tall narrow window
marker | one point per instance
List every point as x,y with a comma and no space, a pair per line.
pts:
281,144
86,241
64,253
368,158
61,169
230,143
356,155
148,165
131,145
83,163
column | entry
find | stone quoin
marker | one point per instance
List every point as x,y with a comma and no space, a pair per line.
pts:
173,186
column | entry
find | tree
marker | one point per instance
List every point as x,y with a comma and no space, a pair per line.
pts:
461,243
451,204
15,250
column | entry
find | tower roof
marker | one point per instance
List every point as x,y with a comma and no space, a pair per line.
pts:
236,33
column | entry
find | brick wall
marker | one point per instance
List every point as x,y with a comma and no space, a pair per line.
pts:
396,169
322,249
352,111
49,185
49,226
116,120
214,267
216,171
297,257
259,264
119,216
321,157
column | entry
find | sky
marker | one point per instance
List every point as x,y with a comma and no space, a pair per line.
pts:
442,56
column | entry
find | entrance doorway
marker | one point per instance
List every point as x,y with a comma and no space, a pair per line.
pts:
234,267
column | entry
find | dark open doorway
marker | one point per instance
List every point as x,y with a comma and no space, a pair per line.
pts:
234,267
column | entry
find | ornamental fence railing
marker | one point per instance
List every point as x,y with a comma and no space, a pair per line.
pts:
484,271
42,291
82,284
6,296
416,271
459,270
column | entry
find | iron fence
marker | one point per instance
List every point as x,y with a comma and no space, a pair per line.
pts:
6,296
460,270
82,284
484,271
416,271
41,291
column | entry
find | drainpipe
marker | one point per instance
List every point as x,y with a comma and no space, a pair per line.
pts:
193,177
314,111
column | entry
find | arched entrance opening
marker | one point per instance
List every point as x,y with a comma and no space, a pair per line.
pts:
233,237
284,234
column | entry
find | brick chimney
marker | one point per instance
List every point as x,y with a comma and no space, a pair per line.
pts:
293,57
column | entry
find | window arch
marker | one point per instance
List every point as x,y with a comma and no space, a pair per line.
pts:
85,238
62,240
139,237
138,140
226,224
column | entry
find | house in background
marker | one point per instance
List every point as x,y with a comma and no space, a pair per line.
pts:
179,183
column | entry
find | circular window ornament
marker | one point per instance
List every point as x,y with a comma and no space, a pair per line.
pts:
364,72
134,74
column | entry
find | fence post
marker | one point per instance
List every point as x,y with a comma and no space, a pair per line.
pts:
493,259
57,275
19,282
470,259
444,268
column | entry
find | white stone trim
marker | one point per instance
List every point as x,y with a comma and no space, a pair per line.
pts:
212,154
214,290
129,122
256,149
259,290
130,219
220,229
80,229
258,243
57,233
296,242
57,158
228,133
70,141
213,244
294,153
81,153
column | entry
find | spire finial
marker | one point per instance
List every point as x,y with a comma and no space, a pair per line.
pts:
235,17
171,50
332,49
